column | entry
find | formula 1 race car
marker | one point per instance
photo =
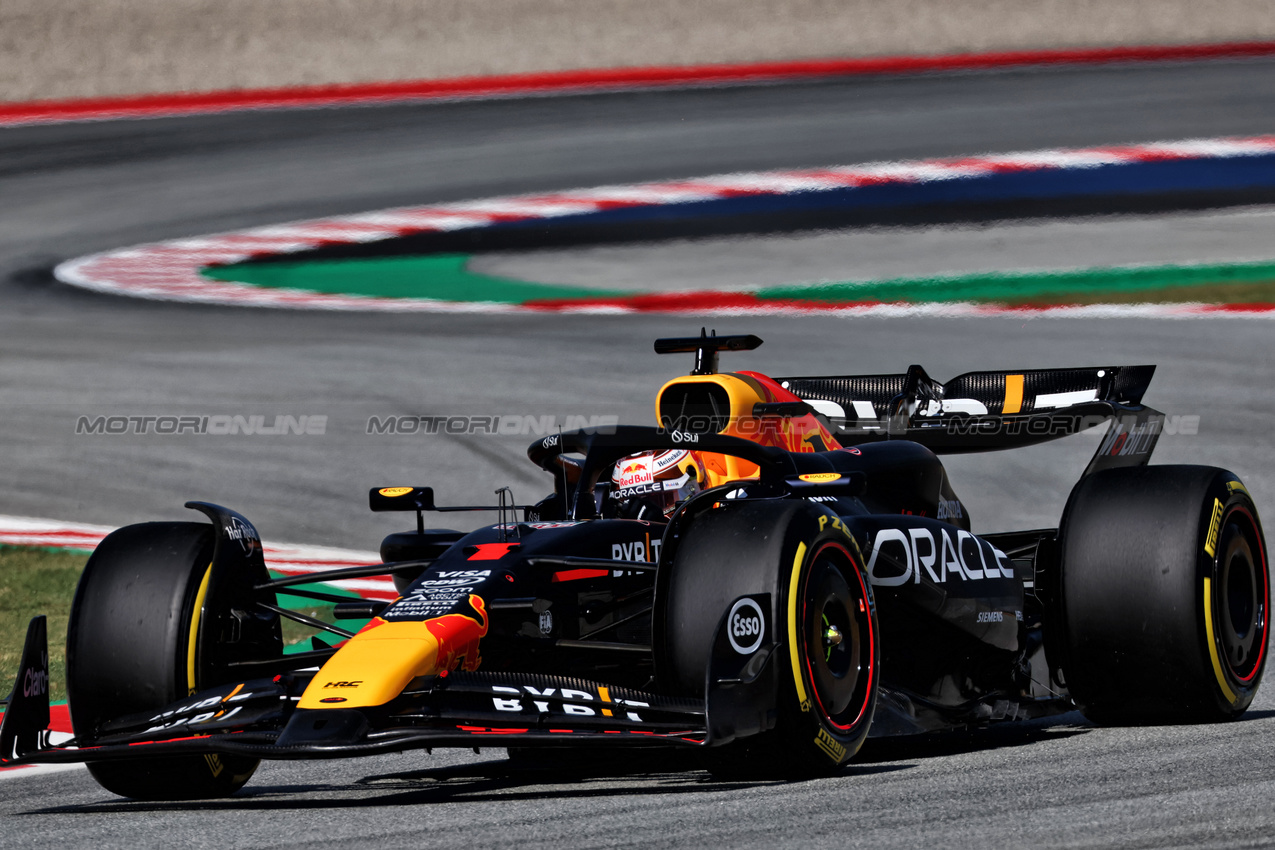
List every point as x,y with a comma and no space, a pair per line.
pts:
779,571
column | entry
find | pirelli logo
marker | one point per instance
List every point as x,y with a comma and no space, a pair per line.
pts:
830,746
1215,525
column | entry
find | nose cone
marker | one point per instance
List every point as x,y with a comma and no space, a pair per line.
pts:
375,665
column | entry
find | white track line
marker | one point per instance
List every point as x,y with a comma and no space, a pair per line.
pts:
169,271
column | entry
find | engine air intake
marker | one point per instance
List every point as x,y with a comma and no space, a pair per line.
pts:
701,408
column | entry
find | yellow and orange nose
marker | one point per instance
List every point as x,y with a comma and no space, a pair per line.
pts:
376,664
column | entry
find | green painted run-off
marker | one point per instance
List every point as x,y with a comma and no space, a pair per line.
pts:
446,278
440,277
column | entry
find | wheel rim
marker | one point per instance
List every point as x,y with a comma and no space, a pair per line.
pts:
839,643
1244,583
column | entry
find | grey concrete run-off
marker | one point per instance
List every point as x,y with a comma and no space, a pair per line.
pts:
865,254
65,353
86,48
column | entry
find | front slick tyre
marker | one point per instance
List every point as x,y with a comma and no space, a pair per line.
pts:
132,647
1166,596
828,646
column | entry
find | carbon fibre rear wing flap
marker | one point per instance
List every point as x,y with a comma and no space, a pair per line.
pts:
867,402
984,411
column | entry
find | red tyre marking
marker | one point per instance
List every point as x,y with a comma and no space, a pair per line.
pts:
867,693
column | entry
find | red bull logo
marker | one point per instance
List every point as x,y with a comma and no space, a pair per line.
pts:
458,637
633,471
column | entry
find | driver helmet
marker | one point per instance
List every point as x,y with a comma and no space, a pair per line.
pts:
649,485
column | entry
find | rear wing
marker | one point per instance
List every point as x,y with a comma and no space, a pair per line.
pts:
984,411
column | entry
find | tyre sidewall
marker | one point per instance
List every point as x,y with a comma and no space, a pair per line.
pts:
804,721
1228,502
1137,628
136,611
749,548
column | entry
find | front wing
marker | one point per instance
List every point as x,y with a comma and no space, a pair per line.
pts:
261,719
457,709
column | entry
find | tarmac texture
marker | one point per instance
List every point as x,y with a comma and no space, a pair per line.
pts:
65,354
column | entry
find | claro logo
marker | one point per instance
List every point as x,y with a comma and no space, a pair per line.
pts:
746,626
36,682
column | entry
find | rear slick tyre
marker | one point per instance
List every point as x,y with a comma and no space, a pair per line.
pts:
825,625
132,647
1165,596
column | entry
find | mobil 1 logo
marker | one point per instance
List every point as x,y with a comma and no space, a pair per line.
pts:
746,626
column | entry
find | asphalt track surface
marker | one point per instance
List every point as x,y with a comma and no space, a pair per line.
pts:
68,190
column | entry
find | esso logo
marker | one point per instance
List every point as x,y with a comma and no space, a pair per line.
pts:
745,626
